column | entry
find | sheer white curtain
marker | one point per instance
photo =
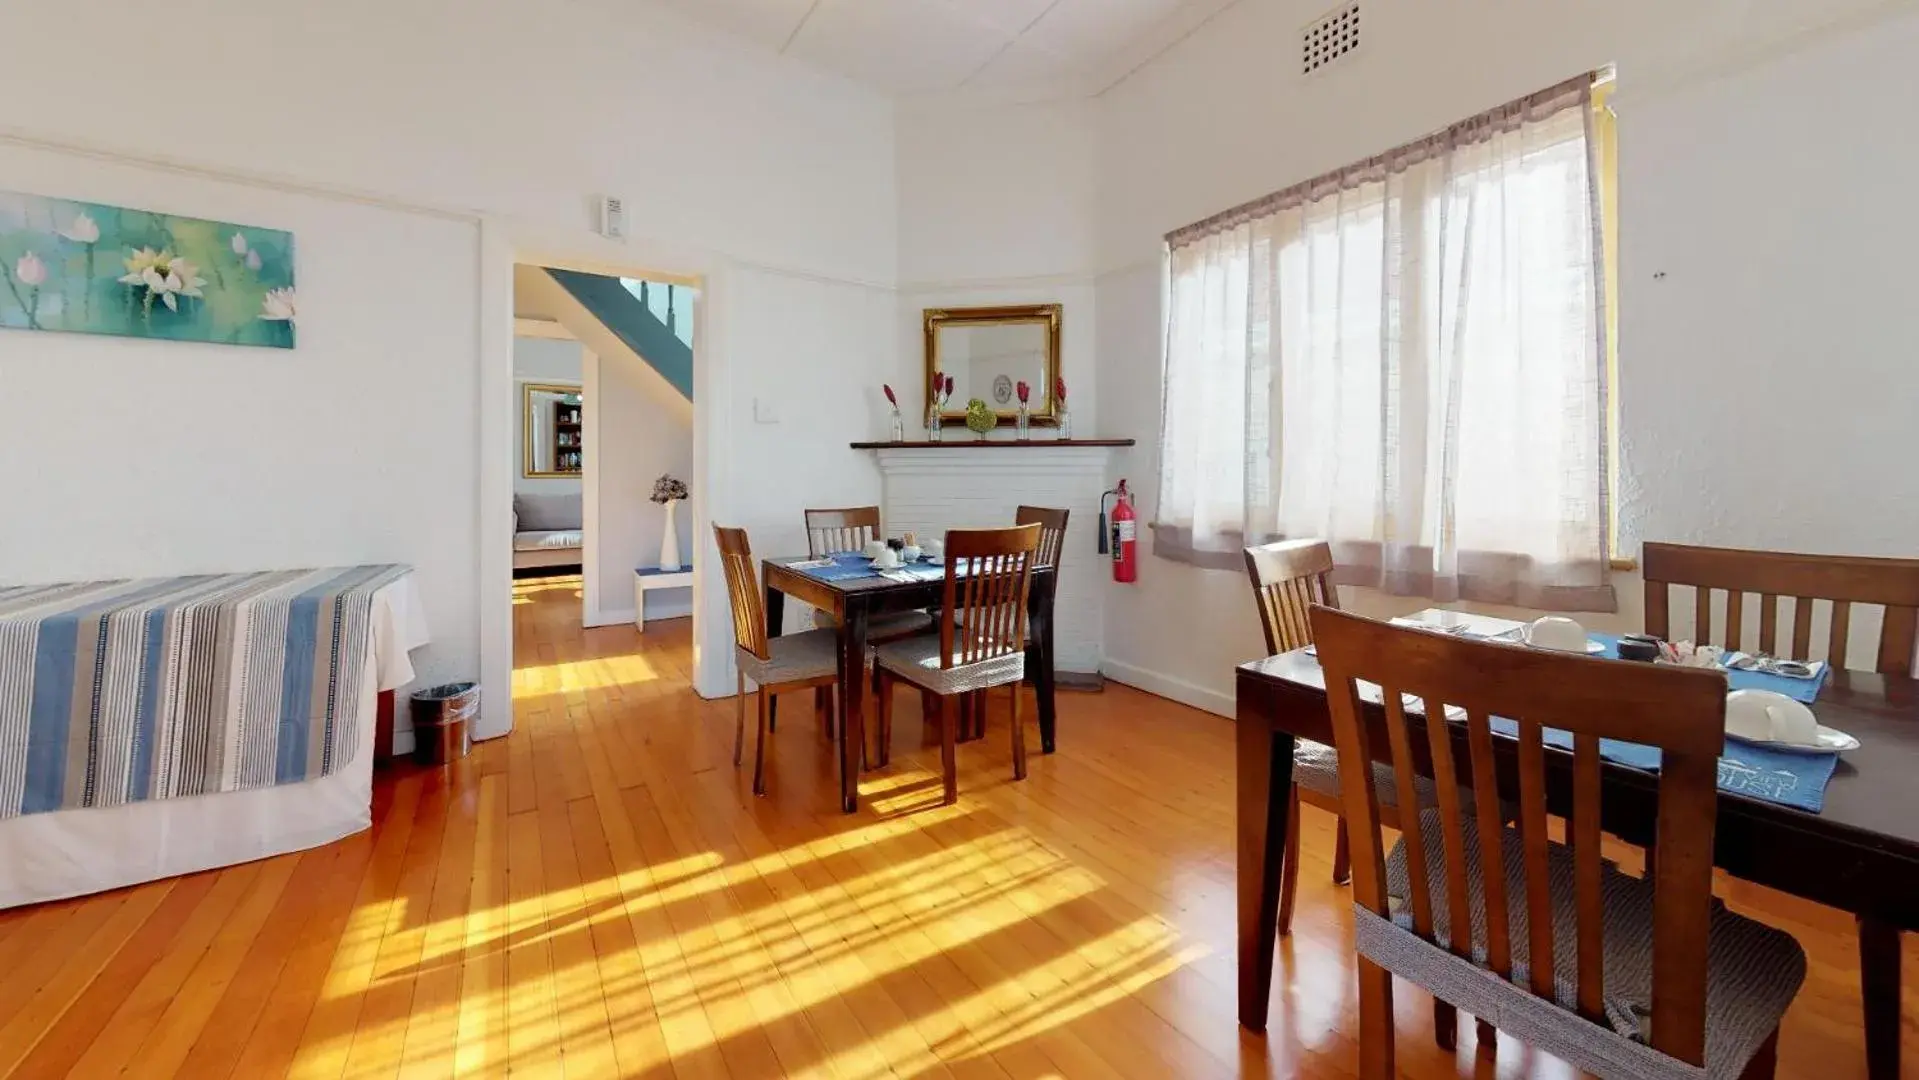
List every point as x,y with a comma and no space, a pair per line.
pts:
1407,358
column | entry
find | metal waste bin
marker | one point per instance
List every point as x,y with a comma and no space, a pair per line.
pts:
441,717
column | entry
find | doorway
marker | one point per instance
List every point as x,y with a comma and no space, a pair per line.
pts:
602,439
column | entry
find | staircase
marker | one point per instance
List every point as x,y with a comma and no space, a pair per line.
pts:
653,319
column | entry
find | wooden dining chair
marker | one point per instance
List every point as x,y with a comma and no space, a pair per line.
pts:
1837,583
806,661
847,528
1288,578
989,575
1616,975
1052,539
1052,531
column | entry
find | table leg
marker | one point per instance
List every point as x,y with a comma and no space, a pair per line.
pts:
775,620
1264,758
1879,947
1040,671
852,704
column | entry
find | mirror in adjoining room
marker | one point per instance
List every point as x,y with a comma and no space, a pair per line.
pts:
552,415
988,352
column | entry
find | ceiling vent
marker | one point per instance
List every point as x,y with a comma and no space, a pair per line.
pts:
1332,38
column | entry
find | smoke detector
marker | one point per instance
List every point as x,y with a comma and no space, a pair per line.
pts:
1331,38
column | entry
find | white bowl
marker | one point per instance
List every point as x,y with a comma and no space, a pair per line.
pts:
1766,716
1557,633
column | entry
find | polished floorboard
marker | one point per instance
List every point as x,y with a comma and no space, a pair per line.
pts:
600,894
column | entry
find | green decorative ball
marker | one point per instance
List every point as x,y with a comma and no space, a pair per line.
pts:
979,417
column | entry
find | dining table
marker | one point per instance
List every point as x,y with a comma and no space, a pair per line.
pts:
1859,854
855,598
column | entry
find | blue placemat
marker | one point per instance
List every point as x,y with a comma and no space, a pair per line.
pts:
1795,780
1806,690
848,565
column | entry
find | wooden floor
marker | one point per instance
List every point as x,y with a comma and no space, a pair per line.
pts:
601,895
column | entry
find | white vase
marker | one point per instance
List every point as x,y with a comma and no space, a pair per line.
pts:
670,539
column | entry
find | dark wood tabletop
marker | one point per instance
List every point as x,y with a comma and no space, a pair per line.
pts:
855,601
1861,854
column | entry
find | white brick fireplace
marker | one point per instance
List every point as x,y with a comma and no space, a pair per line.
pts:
929,490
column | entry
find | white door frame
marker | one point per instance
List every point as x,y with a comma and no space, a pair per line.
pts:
504,243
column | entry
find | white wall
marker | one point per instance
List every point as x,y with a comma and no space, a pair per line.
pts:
774,182
996,207
173,458
541,360
521,108
635,441
1756,173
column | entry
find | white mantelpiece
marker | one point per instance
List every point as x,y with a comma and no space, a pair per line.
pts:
930,489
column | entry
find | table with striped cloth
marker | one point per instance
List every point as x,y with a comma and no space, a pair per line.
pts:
113,692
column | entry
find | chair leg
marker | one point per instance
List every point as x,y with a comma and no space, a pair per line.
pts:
773,715
823,708
759,744
1019,736
1375,1021
1488,1036
883,718
1445,1025
949,747
1342,856
979,715
739,721
1289,868
1766,1062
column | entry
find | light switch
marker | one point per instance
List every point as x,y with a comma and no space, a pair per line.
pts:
765,411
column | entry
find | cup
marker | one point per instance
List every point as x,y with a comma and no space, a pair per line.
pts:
874,548
887,559
1557,633
910,553
935,549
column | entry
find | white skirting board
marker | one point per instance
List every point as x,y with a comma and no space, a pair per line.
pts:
1169,687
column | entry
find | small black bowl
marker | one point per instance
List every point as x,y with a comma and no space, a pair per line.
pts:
1641,647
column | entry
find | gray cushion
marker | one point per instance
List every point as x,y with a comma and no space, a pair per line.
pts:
1753,970
917,660
548,512
792,658
1316,768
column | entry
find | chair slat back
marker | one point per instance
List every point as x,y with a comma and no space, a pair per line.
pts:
1838,581
989,574
1052,531
1288,579
845,529
1679,710
742,590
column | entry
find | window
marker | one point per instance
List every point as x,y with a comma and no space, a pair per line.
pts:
1409,358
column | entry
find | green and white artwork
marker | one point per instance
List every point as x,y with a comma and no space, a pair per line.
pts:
95,269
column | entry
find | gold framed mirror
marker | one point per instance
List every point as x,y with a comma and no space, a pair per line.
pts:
988,352
551,419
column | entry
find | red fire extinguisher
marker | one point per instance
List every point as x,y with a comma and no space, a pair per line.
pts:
1121,536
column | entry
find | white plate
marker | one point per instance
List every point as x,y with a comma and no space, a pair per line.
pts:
1831,741
1591,647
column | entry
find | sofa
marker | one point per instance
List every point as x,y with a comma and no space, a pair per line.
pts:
547,531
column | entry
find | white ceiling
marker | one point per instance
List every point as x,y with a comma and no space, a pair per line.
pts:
1010,48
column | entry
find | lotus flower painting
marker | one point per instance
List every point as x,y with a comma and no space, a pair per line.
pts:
94,269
